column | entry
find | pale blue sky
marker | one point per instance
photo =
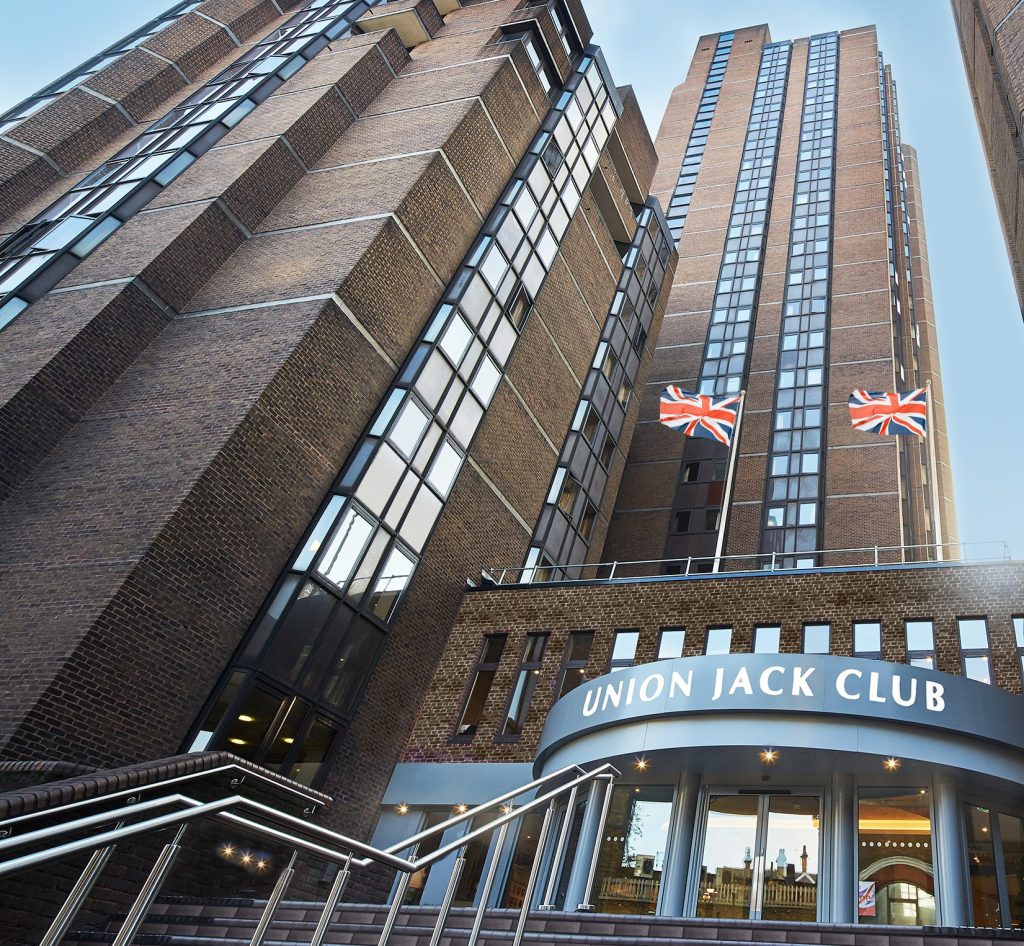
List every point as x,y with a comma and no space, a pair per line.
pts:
648,44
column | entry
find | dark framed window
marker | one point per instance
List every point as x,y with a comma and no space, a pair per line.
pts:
719,640
682,522
574,667
767,639
817,638
526,683
623,650
867,640
920,636
483,680
671,641
975,652
1018,637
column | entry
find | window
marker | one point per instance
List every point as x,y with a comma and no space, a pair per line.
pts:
567,497
574,668
904,884
921,644
975,656
719,640
816,638
711,519
623,650
682,522
1018,636
526,683
867,640
767,639
670,642
690,472
486,668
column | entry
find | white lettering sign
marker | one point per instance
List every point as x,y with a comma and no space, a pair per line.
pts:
790,685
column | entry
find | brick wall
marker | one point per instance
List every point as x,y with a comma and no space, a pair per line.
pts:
890,596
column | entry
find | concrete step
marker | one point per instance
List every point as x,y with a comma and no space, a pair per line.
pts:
194,922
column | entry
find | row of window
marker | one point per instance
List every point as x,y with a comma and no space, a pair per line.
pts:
326,623
566,522
697,508
15,116
679,203
52,243
816,638
793,492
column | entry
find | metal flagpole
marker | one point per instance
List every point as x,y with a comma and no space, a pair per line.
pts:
934,474
730,473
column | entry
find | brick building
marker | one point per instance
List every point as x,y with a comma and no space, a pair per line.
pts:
298,304
991,36
745,791
312,312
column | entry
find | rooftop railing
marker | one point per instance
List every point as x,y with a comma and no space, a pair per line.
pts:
874,556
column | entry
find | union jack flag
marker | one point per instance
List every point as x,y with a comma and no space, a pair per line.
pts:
884,412
699,415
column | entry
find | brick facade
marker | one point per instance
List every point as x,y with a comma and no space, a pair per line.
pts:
175,411
940,593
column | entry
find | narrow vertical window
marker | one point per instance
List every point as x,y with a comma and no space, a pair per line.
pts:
526,683
975,655
817,638
623,650
767,639
921,644
574,669
719,640
486,668
867,640
671,642
1018,636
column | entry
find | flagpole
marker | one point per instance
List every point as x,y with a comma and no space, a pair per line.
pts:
934,472
730,473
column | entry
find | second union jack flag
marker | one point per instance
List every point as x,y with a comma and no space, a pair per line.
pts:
699,415
884,412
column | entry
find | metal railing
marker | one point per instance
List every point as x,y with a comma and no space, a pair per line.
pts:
132,817
955,553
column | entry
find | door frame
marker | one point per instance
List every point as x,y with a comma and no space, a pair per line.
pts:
821,792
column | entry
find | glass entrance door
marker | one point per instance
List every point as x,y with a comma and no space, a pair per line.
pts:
760,857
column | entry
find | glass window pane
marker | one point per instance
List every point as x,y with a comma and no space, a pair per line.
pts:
767,639
973,633
393,580
345,547
981,860
313,751
357,654
624,647
255,714
298,633
978,668
671,642
719,640
867,637
407,429
1011,834
920,635
816,638
897,890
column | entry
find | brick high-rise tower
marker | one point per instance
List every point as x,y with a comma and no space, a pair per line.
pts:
296,309
991,36
803,275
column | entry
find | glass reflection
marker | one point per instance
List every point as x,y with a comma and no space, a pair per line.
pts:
632,855
726,869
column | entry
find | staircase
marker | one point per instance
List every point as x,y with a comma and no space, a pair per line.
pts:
194,922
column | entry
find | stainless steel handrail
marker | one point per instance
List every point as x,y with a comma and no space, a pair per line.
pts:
295,832
276,782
